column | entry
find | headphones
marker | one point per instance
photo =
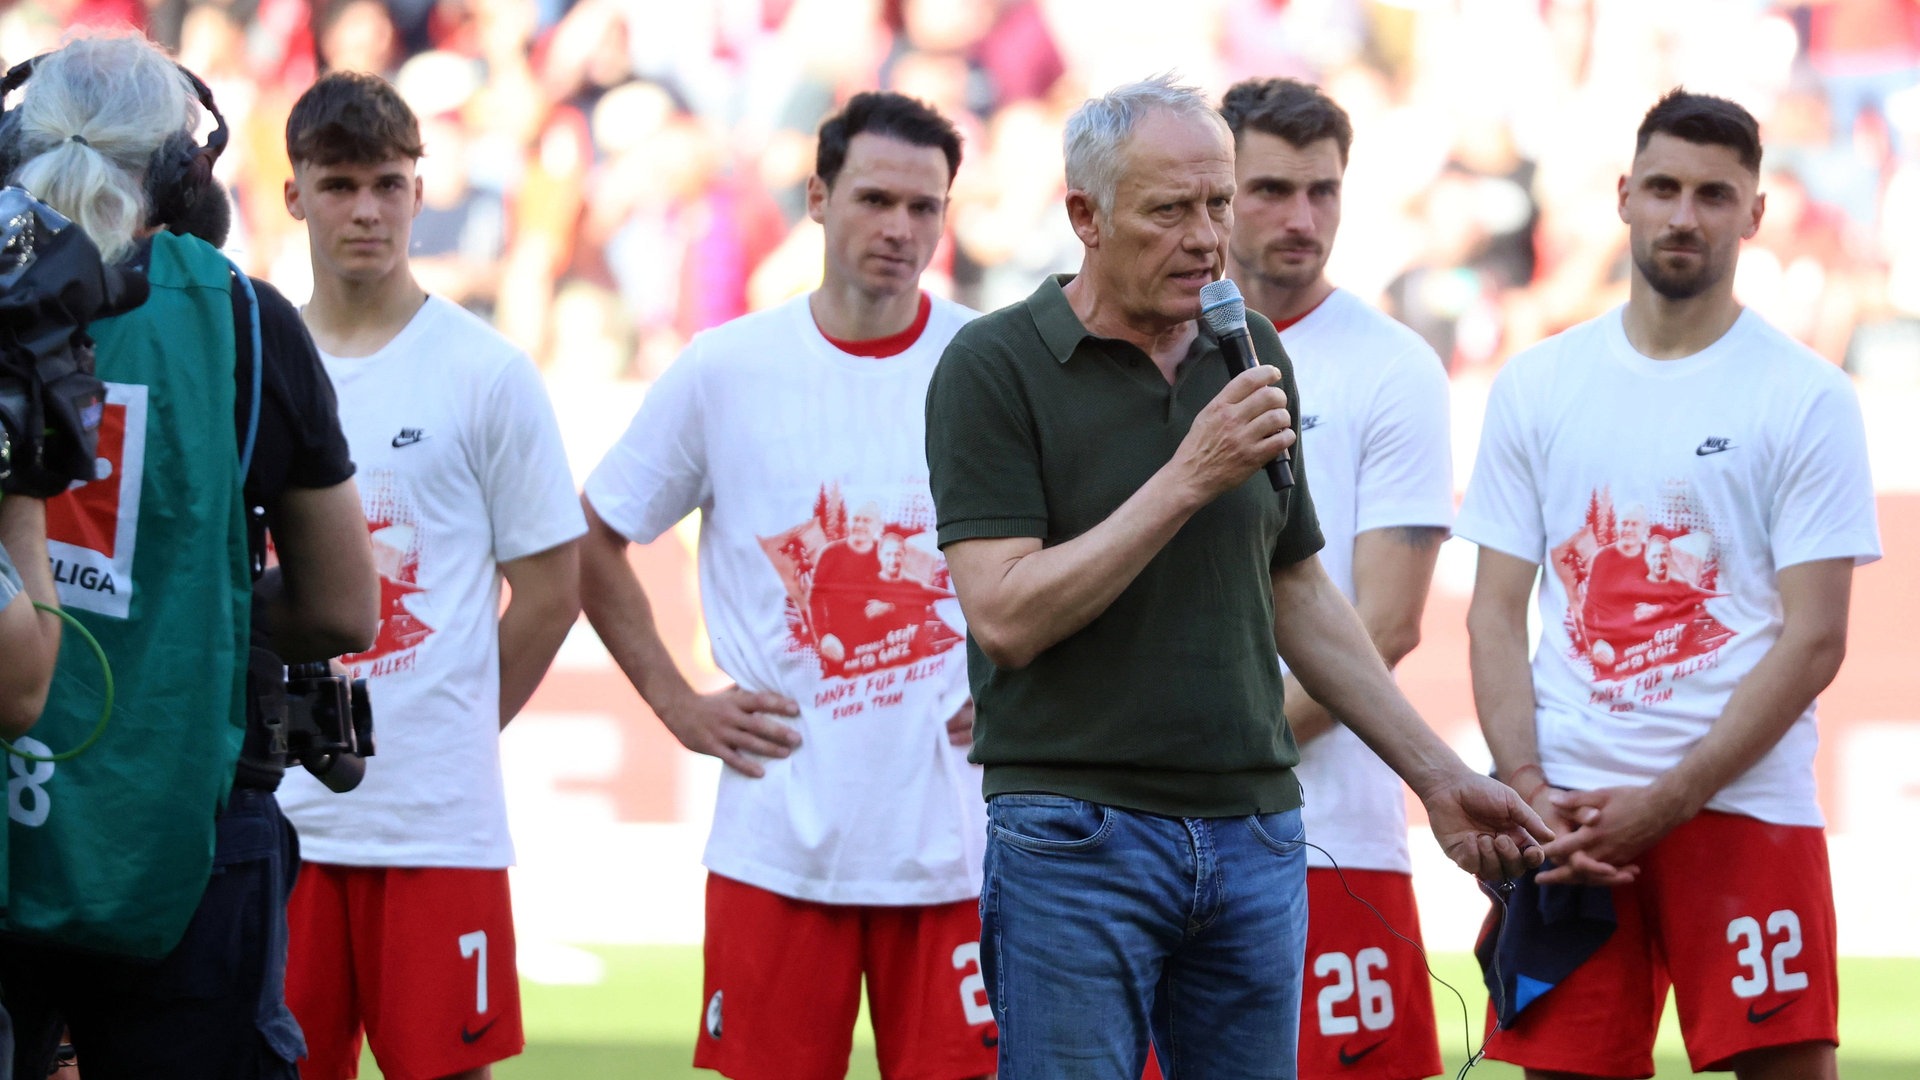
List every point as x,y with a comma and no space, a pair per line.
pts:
177,173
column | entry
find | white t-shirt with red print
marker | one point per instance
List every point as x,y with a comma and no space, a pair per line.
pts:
1373,414
1663,498
819,580
460,468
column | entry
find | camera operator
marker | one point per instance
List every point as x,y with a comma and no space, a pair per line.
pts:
29,639
148,901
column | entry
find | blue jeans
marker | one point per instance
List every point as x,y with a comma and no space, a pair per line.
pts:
1100,925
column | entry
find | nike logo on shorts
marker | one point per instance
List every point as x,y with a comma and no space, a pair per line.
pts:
1756,1016
471,1037
1354,1059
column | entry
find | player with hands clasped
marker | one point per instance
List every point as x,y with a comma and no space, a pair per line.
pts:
1694,484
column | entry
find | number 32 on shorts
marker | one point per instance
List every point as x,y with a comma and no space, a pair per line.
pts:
1356,975
1761,956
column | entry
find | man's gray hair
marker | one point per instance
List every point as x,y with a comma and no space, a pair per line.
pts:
1098,131
85,131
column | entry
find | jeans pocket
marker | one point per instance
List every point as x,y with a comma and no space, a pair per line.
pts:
1282,833
1049,824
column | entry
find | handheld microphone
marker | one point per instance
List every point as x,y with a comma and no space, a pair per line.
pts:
1226,314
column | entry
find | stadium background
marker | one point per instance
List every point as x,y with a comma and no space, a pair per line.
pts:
607,177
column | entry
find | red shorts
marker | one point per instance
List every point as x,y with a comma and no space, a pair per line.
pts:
1366,1009
440,939
783,988
1734,914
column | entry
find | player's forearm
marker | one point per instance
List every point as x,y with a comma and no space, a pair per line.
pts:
1392,573
1308,718
618,609
542,606
322,598
1328,650
1762,708
1020,606
1498,660
1503,687
530,636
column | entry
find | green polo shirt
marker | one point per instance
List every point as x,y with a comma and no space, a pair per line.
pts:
1169,702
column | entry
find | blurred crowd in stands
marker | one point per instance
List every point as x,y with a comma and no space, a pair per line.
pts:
606,177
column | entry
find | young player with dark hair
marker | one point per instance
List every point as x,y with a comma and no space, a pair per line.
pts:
1383,489
401,923
1673,747
847,836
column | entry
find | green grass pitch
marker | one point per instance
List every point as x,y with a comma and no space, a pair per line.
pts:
637,1023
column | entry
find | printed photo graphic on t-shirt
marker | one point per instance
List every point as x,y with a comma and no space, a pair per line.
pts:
1638,576
394,523
863,583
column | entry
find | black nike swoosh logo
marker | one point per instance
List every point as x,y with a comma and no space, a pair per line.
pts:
406,440
1756,1017
1703,451
1354,1059
471,1037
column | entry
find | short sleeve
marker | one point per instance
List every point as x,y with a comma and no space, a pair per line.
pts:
299,442
1502,508
1406,472
1823,508
656,473
1300,538
983,454
531,502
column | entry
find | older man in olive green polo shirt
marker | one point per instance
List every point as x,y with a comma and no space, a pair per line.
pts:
1127,573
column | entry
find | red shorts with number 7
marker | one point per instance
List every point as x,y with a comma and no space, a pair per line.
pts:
1736,915
421,959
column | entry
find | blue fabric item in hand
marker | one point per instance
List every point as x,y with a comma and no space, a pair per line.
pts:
1536,938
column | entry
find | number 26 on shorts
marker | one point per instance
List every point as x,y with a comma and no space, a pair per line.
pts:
1355,975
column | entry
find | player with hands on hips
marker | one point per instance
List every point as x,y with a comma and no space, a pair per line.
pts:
848,827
